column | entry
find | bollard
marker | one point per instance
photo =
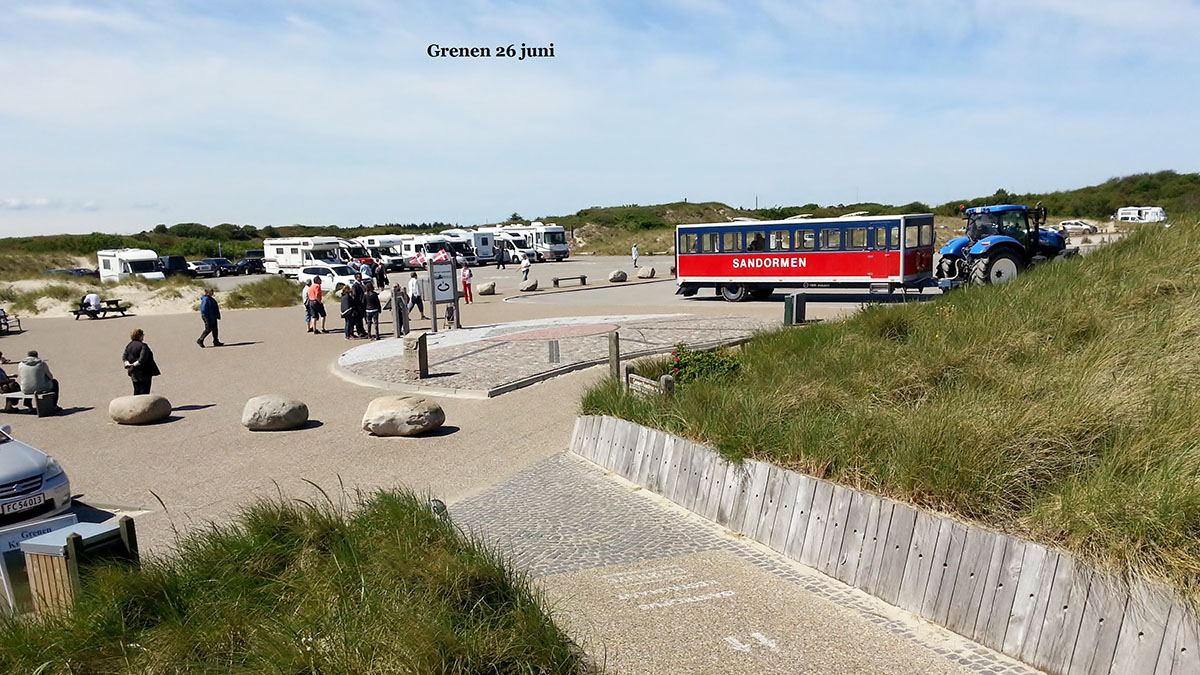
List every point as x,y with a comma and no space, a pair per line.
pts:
416,355
794,309
614,355
399,311
554,357
667,383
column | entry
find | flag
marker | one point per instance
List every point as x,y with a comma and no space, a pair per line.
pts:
417,260
441,256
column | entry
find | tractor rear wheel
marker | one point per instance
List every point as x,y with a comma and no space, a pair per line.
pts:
998,268
734,292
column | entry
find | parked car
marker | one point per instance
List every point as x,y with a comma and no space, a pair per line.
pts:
1078,227
201,268
250,266
333,277
254,253
222,266
76,272
33,484
175,265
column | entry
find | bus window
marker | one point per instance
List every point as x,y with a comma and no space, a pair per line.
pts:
894,237
856,237
912,238
756,241
806,240
687,243
831,240
927,234
781,240
710,242
881,242
732,242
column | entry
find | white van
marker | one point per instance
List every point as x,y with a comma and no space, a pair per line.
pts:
385,248
510,244
462,246
426,244
287,255
122,263
482,243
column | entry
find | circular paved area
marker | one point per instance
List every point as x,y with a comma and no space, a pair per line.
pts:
559,332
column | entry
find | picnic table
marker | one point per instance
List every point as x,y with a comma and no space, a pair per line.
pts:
106,306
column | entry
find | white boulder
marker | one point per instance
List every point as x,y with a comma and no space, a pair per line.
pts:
530,285
274,412
617,275
140,409
402,415
486,288
646,272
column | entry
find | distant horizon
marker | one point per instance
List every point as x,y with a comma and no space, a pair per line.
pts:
121,116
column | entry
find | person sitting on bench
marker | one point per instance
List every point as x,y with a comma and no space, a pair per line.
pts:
8,384
90,304
35,378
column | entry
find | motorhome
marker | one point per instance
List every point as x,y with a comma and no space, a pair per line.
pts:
481,242
287,255
425,244
122,263
548,239
462,245
510,244
385,248
353,253
1141,214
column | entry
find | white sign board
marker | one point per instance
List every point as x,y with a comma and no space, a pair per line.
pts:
443,282
17,596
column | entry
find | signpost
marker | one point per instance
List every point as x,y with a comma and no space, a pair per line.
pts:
444,289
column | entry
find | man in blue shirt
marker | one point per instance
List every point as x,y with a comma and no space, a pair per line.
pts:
211,314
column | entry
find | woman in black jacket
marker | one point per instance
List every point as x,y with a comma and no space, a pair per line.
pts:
139,362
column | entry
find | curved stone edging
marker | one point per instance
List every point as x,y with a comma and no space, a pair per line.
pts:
1035,604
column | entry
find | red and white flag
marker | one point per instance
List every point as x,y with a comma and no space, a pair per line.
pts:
441,256
417,260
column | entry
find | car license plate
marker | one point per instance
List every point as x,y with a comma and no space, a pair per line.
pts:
24,504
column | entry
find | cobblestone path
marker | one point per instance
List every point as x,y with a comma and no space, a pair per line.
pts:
648,587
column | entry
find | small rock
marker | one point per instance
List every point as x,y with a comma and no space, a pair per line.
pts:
487,288
645,272
140,409
530,285
617,275
274,412
402,415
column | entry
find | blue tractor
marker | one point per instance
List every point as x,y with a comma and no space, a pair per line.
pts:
1001,241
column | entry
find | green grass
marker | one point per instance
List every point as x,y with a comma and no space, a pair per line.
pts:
273,291
297,588
1063,406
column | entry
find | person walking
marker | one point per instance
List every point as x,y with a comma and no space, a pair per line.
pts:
381,277
372,309
466,284
316,308
414,295
525,265
139,362
35,378
348,311
634,251
500,258
211,314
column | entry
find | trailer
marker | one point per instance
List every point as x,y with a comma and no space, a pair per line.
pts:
119,264
287,255
742,260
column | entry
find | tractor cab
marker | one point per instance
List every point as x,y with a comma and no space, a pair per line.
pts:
1000,242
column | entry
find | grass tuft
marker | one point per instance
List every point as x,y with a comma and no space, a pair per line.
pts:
272,291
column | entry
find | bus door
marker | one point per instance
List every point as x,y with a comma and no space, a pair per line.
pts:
884,258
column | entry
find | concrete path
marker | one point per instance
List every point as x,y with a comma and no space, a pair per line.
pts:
650,588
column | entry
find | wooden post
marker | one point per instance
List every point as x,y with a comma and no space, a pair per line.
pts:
399,311
614,355
554,354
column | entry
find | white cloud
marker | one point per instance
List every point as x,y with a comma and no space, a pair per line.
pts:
19,204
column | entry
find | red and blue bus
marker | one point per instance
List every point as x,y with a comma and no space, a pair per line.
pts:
750,259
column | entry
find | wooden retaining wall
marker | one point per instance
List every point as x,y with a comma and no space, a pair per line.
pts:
1032,603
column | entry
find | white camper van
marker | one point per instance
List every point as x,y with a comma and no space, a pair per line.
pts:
122,263
1141,214
427,244
287,255
385,248
481,243
548,239
462,246
509,243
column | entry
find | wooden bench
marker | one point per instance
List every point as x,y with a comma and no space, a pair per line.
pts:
46,403
105,308
7,321
582,280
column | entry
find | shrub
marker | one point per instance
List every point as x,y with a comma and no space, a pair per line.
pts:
690,365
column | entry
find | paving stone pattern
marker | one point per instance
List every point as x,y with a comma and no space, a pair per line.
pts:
506,354
565,514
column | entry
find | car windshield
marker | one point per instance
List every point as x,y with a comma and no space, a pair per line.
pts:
435,246
461,247
357,251
519,242
556,237
139,266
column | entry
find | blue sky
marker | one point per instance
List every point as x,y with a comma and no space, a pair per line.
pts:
115,116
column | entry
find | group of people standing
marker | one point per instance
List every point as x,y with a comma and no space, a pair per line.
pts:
361,309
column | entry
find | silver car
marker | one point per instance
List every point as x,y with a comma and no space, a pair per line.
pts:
32,484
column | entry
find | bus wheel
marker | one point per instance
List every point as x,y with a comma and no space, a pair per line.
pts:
734,293
761,293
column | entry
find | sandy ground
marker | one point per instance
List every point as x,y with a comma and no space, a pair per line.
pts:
203,464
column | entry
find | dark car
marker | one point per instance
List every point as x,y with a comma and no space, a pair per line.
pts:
254,253
250,266
174,265
76,272
222,266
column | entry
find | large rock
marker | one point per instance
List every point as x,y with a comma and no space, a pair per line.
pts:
487,288
140,409
617,275
646,272
274,412
530,285
402,415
